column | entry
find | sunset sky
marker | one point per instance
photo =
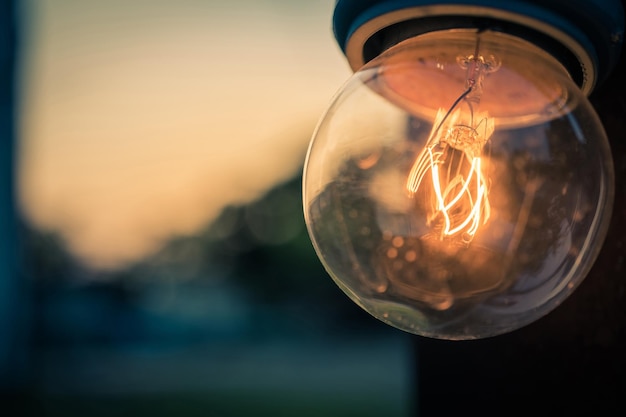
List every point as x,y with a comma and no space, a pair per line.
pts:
141,120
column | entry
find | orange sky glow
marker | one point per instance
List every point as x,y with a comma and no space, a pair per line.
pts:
142,120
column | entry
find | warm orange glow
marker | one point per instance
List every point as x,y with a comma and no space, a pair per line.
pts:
459,189
142,120
453,156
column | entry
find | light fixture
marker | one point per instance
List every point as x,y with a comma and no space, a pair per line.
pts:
460,185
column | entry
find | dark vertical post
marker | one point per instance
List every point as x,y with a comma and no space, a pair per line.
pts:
13,345
570,363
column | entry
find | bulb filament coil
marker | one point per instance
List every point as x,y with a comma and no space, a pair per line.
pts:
457,194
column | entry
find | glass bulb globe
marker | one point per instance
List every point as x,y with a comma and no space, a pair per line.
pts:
459,186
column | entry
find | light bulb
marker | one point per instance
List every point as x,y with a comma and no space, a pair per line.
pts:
460,185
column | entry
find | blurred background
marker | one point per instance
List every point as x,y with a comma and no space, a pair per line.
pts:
164,265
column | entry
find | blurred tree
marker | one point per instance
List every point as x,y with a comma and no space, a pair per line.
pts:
274,261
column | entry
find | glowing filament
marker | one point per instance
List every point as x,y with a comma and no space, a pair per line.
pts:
458,189
458,198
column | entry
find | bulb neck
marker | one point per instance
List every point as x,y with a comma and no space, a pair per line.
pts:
477,66
586,38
